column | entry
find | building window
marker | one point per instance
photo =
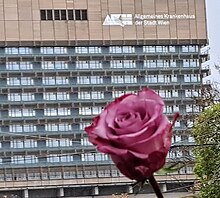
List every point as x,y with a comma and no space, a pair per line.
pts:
27,128
157,63
123,79
59,143
89,80
123,64
18,50
91,157
81,15
53,158
56,96
20,81
19,66
191,78
57,112
87,50
70,15
161,78
85,142
58,80
88,64
43,15
54,65
58,127
190,48
90,95
23,144
27,81
13,81
53,50
121,49
21,113
149,49
82,125
49,15
90,110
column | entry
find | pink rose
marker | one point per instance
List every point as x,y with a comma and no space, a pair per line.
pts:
134,132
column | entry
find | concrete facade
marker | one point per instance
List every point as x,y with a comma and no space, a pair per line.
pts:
63,61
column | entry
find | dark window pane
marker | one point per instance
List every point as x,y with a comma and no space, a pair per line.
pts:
49,15
77,15
43,14
84,15
70,15
56,14
63,14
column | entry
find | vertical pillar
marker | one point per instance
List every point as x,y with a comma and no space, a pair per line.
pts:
164,187
130,189
25,193
60,192
96,190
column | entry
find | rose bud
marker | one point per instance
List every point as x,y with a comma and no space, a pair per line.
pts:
134,131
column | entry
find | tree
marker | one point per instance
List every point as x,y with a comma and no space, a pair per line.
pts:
206,132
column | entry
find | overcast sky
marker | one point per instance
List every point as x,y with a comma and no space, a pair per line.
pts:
213,17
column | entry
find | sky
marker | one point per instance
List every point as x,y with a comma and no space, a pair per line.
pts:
213,23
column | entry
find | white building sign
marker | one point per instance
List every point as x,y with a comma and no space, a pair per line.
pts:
144,20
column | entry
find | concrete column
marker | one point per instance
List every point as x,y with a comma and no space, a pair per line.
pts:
164,187
130,189
60,192
96,190
25,193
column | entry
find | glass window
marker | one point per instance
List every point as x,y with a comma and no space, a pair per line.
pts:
77,15
88,64
50,112
57,15
81,50
63,96
49,15
13,81
46,50
85,142
54,65
70,15
28,96
43,15
63,14
49,96
172,49
84,15
14,97
150,63
89,80
149,49
27,81
62,80
58,80
64,127
53,158
151,78
121,49
124,79
82,125
60,50
51,127
21,112
123,64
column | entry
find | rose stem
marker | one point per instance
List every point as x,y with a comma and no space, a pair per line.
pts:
155,186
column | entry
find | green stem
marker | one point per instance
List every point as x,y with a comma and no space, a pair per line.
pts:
156,187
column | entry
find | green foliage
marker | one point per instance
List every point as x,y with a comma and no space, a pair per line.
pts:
206,132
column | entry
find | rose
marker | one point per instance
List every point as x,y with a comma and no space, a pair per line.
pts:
134,132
